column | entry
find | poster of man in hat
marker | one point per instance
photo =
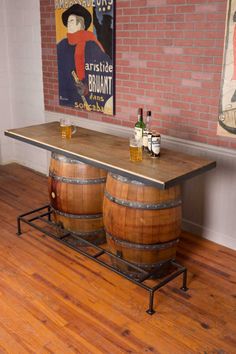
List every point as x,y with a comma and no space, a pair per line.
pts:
85,46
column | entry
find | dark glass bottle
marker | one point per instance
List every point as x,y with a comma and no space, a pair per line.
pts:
140,125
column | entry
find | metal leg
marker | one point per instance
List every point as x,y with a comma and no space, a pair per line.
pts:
49,214
18,227
184,286
150,311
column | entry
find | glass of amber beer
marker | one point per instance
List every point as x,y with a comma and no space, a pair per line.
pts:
67,129
135,148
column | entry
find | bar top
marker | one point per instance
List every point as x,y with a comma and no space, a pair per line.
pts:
112,153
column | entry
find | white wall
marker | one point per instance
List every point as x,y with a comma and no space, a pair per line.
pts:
6,115
22,95
209,201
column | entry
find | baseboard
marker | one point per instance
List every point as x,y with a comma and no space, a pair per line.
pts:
209,234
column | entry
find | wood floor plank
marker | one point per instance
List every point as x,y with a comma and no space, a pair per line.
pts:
55,300
11,343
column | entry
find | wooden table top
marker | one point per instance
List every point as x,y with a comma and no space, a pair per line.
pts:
112,153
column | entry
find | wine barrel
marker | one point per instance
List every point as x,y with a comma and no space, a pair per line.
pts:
76,193
142,223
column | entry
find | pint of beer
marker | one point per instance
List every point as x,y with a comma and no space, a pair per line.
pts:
67,128
135,148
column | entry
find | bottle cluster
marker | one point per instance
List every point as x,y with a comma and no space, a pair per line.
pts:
151,139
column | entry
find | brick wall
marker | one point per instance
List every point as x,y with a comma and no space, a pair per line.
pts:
168,59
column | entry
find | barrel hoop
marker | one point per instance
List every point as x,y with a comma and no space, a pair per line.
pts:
63,158
146,206
88,233
141,246
152,266
77,216
76,180
125,179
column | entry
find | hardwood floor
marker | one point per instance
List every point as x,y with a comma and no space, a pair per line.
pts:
54,300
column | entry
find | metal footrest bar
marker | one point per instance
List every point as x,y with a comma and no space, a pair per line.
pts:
100,255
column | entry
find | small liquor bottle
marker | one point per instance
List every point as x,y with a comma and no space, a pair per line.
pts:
140,125
146,131
156,144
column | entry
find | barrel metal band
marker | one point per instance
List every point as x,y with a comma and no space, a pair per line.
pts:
141,246
97,232
146,206
125,179
150,266
76,180
77,216
63,158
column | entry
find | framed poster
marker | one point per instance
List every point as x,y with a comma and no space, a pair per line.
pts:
85,54
227,109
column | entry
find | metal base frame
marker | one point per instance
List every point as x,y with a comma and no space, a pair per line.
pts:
100,255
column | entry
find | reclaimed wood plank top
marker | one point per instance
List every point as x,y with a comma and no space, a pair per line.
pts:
112,153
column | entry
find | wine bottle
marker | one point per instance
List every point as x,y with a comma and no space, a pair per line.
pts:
140,125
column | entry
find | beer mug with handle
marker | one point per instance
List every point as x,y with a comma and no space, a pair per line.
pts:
67,128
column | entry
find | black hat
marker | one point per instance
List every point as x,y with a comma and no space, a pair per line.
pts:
79,11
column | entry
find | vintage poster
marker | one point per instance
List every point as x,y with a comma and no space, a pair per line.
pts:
85,54
227,110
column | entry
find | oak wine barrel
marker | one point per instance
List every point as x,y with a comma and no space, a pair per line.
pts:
76,193
142,223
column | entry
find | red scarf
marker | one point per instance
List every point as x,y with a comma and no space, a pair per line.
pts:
80,39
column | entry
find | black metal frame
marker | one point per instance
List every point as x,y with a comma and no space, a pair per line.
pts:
138,276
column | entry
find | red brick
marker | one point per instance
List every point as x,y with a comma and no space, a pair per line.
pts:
185,9
207,8
137,3
166,10
200,108
175,18
189,114
168,58
123,4
170,110
202,75
187,26
195,18
183,42
176,2
174,34
216,17
156,2
181,105
203,60
164,26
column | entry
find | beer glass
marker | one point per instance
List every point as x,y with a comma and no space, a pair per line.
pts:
135,148
67,129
